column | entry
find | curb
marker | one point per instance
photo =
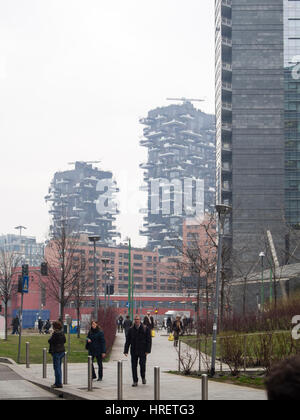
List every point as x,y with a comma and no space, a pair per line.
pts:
67,393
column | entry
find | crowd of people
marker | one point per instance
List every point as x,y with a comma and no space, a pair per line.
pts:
283,382
43,326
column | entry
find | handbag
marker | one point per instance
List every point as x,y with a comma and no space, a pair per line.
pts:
171,337
152,333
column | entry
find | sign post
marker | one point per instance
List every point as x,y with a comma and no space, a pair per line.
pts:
24,289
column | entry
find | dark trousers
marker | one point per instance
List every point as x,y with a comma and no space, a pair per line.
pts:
100,367
134,363
57,359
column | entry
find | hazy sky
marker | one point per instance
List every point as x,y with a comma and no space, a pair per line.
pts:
76,76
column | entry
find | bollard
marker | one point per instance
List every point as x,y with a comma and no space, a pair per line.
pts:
44,363
65,369
120,380
27,355
221,356
156,383
179,355
204,388
90,377
199,351
245,353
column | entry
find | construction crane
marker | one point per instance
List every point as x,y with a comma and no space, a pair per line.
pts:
89,161
20,228
185,100
276,264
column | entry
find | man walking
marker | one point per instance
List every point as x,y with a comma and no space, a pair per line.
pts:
15,325
140,341
127,325
40,326
149,321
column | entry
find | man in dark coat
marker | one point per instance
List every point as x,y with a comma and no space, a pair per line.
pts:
40,326
127,325
140,342
15,324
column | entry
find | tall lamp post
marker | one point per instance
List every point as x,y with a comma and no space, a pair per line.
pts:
222,210
130,282
262,293
107,277
104,262
94,239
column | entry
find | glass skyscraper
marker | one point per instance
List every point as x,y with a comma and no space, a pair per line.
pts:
250,135
292,110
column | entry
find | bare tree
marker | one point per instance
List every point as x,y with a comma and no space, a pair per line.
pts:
245,271
63,269
81,287
198,263
9,261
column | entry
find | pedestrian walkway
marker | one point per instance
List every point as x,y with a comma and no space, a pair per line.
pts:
14,387
164,355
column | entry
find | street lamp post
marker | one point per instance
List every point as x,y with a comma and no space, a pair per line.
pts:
104,262
222,210
107,276
130,282
262,293
111,278
95,239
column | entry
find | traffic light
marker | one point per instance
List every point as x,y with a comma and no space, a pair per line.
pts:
20,284
25,270
44,269
110,289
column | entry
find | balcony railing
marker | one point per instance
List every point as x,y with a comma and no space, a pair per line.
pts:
226,41
226,186
226,66
227,147
226,167
227,126
226,22
227,86
226,106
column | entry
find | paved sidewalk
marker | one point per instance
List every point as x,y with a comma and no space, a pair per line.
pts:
164,355
14,387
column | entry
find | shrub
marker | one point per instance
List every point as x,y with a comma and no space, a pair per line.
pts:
233,351
107,321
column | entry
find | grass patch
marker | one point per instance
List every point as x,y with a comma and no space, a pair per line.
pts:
9,349
256,382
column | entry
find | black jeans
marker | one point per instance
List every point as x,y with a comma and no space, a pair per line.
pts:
100,367
134,362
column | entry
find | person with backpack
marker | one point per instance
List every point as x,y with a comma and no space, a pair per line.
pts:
139,341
